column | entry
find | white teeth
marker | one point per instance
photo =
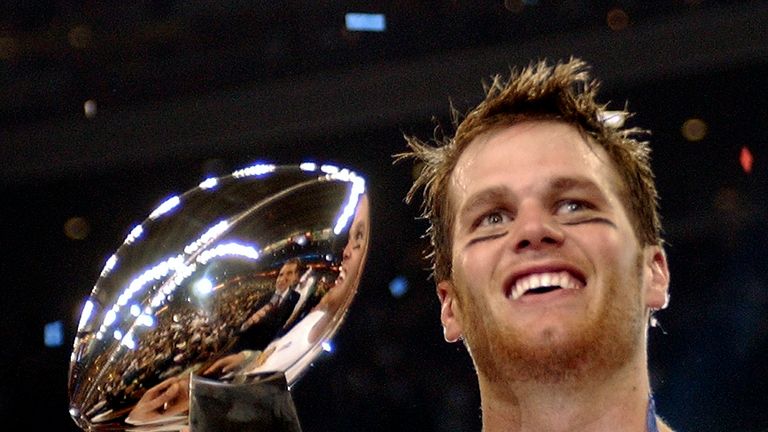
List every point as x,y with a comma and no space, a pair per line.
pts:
562,279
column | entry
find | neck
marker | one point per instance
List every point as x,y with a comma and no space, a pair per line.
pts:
617,401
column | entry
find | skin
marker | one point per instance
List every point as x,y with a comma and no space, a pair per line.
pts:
535,198
288,275
169,398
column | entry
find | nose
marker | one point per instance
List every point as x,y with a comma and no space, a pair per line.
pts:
535,228
347,253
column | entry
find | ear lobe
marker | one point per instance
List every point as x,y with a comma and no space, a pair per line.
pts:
449,311
656,278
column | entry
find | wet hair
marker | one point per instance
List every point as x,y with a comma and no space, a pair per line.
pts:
563,92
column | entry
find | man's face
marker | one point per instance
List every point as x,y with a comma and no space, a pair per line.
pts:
549,280
289,275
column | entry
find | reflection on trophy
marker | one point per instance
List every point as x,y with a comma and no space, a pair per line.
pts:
219,301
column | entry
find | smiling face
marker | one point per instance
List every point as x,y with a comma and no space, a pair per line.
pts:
288,275
549,279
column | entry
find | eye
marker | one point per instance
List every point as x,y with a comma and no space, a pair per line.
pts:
493,218
572,206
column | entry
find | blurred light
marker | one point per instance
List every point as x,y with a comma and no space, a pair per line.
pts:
203,287
617,19
694,129
85,315
109,265
169,204
365,22
308,166
77,228
209,183
358,188
145,320
327,347
229,249
254,170
80,37
208,236
746,160
135,310
300,239
329,169
53,334
613,119
128,341
109,318
89,108
118,335
135,233
398,286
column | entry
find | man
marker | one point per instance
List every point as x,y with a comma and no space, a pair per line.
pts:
263,325
547,253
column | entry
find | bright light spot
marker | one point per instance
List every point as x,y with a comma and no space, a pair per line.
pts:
254,170
746,160
135,233
398,286
329,169
89,108
365,22
109,265
145,320
209,183
613,119
327,347
53,334
229,249
110,317
165,207
212,233
117,334
308,166
135,310
128,341
85,316
203,287
694,129
300,239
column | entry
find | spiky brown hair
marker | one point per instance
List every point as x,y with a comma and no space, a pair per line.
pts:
562,92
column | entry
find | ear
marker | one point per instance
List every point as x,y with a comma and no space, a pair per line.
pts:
449,311
656,280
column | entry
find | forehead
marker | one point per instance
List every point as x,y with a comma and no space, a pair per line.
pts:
525,154
290,267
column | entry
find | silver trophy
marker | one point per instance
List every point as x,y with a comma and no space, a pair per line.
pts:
217,303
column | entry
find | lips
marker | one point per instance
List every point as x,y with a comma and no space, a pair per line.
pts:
543,280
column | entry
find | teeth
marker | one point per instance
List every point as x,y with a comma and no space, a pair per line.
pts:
562,279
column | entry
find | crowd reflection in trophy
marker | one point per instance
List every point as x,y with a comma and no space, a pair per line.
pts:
274,333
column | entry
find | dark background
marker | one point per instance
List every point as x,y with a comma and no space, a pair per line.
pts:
186,89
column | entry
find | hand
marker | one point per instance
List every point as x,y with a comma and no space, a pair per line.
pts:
226,364
256,317
166,399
